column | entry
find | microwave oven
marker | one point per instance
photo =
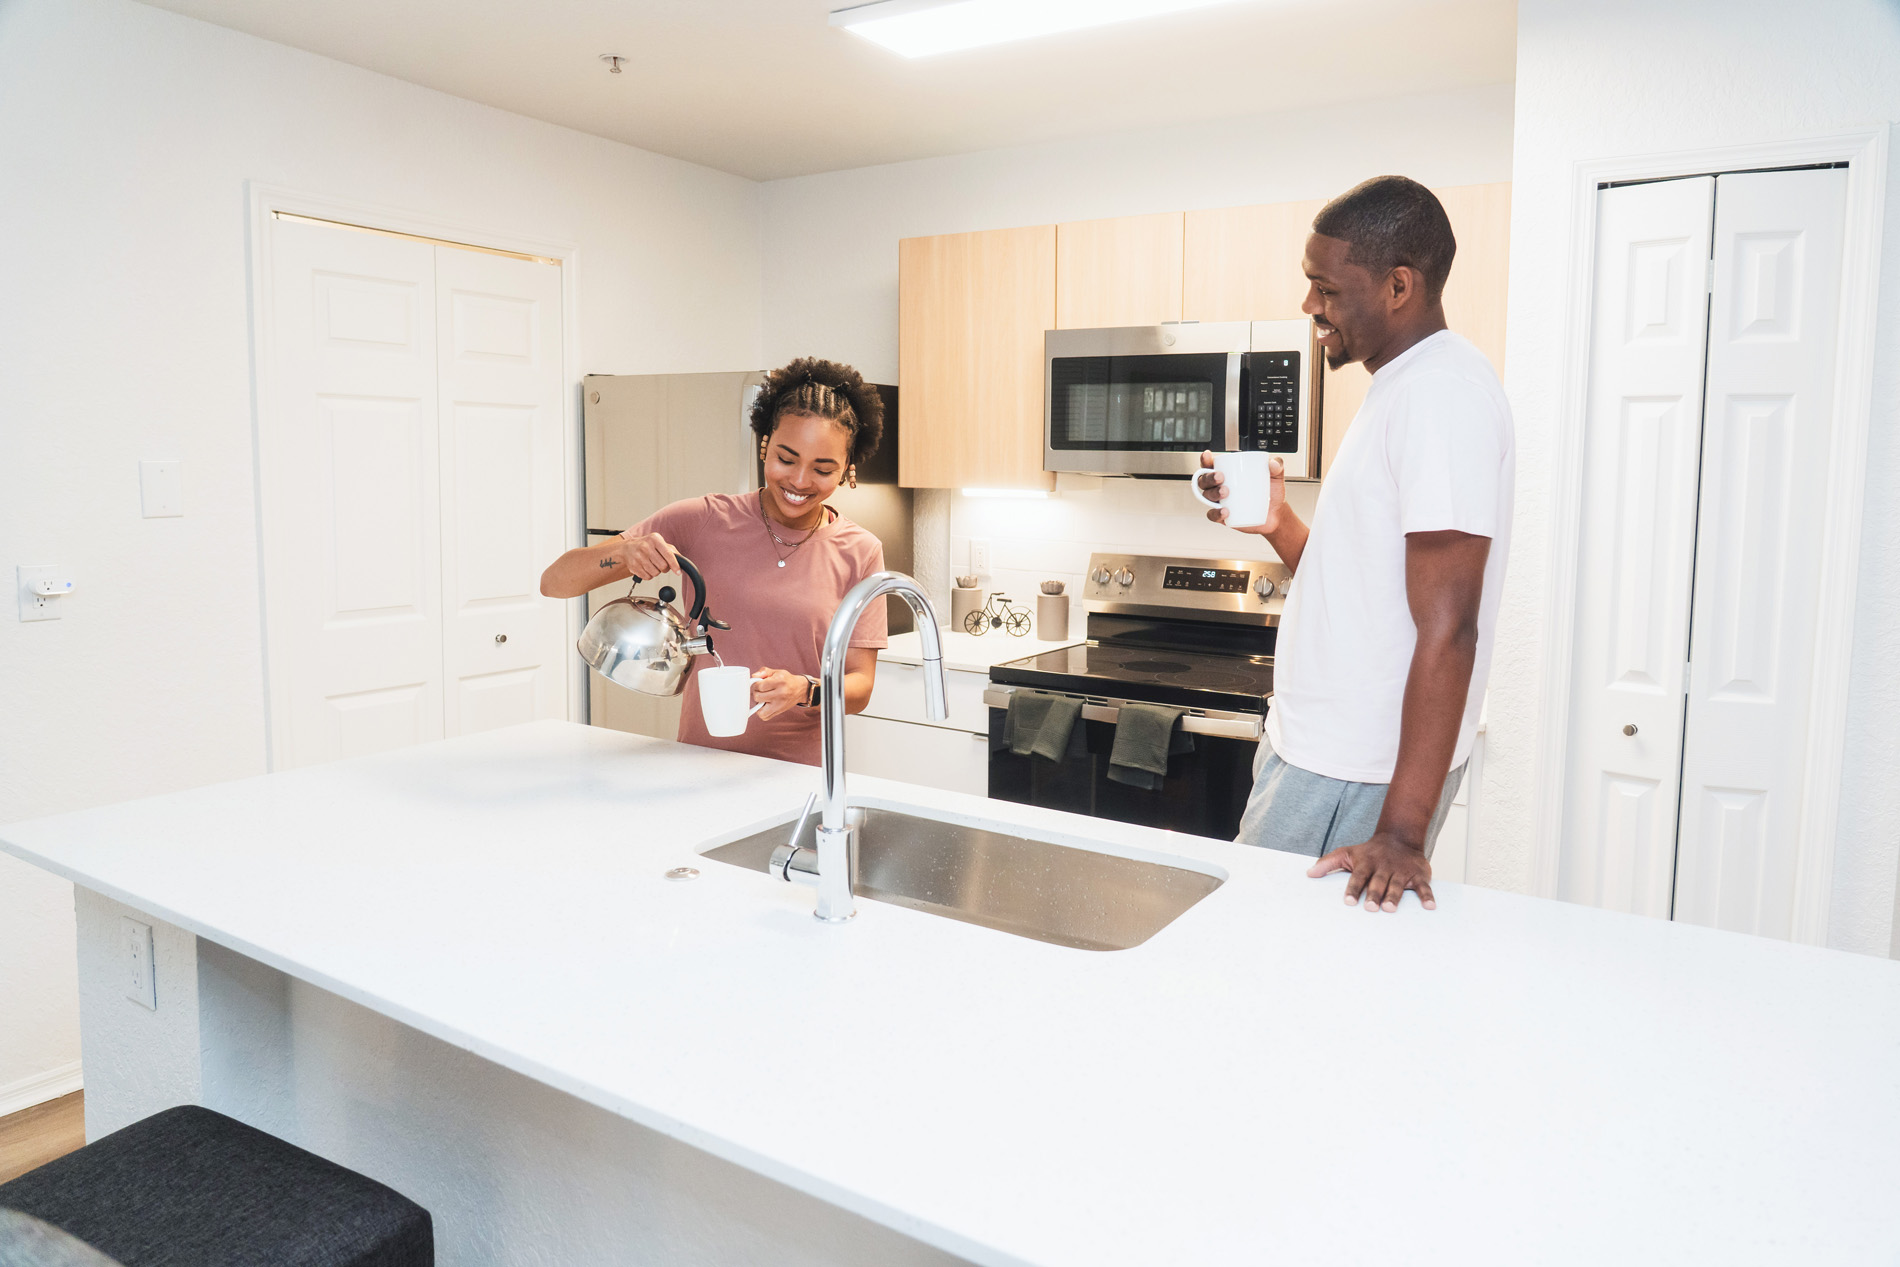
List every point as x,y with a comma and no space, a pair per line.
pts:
1145,400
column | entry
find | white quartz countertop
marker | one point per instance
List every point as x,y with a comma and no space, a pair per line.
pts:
970,652
1275,1077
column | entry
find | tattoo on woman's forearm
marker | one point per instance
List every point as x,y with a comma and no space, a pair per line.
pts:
610,563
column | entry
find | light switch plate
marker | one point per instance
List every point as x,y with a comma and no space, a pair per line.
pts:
161,489
980,555
141,980
35,606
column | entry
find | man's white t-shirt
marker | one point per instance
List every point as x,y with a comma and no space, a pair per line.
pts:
1430,450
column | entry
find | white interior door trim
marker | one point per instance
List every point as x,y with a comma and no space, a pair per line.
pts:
268,199
1864,150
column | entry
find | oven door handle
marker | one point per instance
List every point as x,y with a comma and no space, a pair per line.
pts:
1218,726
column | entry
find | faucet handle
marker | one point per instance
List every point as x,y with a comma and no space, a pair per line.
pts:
794,864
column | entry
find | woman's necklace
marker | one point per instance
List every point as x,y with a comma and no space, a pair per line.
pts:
781,541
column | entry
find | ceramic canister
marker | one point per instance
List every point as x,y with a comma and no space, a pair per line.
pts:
962,602
1052,617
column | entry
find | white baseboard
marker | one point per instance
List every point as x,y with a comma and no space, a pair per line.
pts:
39,1088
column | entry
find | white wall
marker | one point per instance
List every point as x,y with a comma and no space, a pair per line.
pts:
831,273
127,136
1630,77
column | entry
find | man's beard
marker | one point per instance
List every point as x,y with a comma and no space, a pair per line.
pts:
1337,358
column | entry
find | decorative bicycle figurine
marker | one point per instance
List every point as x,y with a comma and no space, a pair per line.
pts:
998,613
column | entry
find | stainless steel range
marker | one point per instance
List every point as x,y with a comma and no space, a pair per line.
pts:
1197,634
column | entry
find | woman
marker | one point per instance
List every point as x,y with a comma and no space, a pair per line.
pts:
777,562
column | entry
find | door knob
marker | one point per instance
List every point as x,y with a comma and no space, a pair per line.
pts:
1629,730
501,637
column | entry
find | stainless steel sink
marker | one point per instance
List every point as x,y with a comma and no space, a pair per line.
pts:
1016,884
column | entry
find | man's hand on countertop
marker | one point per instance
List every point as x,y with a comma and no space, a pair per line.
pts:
1382,868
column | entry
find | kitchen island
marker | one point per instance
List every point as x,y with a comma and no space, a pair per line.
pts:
463,969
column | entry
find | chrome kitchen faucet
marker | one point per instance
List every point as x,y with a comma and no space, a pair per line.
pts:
832,865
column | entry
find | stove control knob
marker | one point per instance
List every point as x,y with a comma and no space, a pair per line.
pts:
1263,586
1099,576
1124,578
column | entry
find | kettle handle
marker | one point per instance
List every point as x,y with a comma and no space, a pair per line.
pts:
691,572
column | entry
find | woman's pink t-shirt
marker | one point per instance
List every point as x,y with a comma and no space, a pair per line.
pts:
778,614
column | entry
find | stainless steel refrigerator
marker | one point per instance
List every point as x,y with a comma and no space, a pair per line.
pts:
651,439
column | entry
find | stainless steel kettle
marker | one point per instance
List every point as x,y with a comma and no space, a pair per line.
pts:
644,644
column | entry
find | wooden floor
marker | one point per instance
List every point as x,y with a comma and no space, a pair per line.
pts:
32,1137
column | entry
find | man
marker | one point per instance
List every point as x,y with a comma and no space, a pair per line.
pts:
1386,641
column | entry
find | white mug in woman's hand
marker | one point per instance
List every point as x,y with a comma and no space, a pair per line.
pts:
724,694
1248,479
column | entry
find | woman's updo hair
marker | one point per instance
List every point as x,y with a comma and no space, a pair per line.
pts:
824,389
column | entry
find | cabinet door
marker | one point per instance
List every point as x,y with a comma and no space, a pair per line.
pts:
1243,263
972,308
1120,272
898,694
953,760
1477,290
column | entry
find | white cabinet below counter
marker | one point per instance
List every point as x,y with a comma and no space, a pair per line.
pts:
934,756
893,738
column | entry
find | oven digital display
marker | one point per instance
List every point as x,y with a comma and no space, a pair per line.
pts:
1207,580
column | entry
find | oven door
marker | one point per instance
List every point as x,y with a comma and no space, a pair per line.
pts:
1141,400
1204,793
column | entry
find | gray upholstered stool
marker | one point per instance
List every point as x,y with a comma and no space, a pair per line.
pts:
189,1186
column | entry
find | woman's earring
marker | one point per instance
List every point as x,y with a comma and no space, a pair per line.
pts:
762,446
851,475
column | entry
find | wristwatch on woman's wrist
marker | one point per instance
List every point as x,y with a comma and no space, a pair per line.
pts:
811,692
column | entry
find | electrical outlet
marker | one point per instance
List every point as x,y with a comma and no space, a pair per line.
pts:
980,555
40,590
141,981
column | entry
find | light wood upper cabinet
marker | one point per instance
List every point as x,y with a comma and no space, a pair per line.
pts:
972,308
1476,293
1120,272
1243,264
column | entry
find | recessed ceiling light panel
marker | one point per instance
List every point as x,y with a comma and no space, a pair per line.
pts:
919,28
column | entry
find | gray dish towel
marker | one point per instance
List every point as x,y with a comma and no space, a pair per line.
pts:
1039,724
1145,735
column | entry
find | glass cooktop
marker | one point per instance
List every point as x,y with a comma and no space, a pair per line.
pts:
1190,679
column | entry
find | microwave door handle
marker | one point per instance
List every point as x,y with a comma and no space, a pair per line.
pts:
1230,415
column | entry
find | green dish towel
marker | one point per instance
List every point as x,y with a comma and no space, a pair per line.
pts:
1039,724
1144,737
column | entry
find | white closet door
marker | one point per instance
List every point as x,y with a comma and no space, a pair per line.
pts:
1765,443
351,521
1638,553
504,646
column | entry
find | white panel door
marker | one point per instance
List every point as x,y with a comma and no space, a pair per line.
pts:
351,520
1638,550
504,646
1769,407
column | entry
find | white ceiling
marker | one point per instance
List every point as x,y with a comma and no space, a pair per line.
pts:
766,88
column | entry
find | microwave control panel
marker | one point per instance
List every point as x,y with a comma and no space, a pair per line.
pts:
1270,403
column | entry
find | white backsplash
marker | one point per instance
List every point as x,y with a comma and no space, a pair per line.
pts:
1032,540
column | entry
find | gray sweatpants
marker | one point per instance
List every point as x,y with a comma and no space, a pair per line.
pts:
1301,812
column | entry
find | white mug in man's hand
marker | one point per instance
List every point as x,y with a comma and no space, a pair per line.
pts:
724,694
1248,479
